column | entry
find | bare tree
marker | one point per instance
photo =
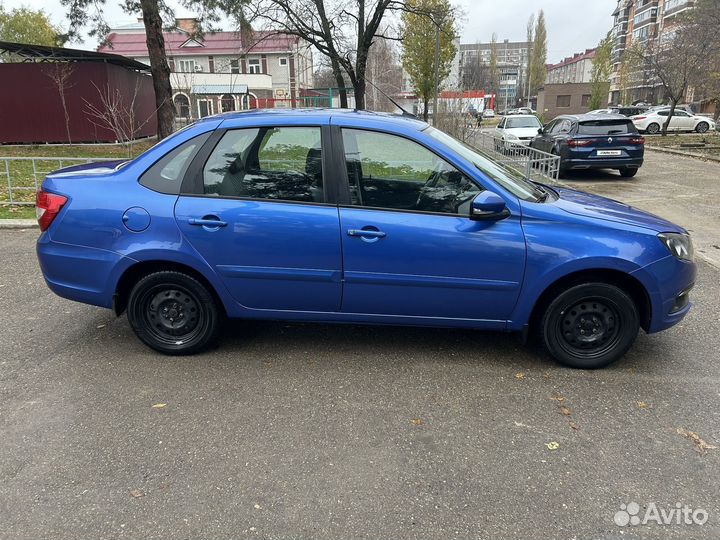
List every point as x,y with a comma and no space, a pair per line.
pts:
118,114
60,74
385,73
476,73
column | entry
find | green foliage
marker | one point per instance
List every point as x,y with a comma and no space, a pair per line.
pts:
25,25
418,29
538,62
600,77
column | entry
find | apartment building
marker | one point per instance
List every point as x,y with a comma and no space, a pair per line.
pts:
639,21
573,69
221,71
512,61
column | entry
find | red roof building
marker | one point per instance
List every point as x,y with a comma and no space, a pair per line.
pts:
573,69
224,71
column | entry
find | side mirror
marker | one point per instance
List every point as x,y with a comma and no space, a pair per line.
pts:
541,130
488,206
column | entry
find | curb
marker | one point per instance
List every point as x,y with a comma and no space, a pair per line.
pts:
18,224
682,153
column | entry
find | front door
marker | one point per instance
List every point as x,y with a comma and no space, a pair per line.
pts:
262,222
409,247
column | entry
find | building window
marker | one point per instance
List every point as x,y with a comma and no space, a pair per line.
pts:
283,61
205,107
186,66
563,101
182,106
585,100
234,66
254,65
227,103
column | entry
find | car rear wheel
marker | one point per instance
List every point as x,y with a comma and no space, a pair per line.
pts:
173,313
653,129
628,172
590,326
702,127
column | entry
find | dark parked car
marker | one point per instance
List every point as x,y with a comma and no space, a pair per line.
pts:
593,142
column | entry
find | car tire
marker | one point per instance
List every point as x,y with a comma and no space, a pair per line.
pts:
173,313
589,326
653,129
702,127
628,172
562,171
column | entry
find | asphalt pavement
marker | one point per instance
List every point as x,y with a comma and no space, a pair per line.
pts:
335,432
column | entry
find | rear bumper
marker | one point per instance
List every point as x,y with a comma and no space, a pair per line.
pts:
602,163
79,273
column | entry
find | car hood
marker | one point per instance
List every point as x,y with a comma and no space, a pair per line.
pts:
523,132
584,204
93,168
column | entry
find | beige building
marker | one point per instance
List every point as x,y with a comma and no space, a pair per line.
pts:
574,69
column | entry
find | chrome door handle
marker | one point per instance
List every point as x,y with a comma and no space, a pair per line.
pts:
366,233
204,222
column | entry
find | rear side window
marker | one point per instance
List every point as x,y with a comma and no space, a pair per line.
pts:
270,163
606,127
167,174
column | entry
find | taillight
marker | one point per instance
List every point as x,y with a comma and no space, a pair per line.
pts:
574,143
638,117
47,207
637,140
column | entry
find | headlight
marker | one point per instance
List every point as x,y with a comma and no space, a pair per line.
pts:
511,137
680,245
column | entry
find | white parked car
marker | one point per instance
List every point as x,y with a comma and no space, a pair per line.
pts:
518,129
653,120
488,113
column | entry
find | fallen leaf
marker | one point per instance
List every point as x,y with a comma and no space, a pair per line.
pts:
520,375
642,404
558,398
100,326
700,445
566,411
416,422
159,405
257,507
573,425
552,445
136,493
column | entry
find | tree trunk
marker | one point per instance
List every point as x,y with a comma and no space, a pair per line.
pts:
426,102
158,67
359,88
340,80
666,124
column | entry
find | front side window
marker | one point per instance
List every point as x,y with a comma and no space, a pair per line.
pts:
391,172
166,175
270,163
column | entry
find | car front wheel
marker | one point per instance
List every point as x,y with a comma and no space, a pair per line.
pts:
590,326
173,313
702,127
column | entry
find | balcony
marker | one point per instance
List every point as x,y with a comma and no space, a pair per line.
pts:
251,81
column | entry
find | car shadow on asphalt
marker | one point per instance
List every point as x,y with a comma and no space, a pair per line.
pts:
594,175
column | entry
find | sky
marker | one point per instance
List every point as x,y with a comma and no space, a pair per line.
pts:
573,25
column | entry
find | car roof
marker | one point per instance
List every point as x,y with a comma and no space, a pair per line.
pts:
589,117
323,114
524,116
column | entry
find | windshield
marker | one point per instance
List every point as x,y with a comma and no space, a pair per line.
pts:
511,180
529,122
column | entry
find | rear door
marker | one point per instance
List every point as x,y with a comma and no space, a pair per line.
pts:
259,212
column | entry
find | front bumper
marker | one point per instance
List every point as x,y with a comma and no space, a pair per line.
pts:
668,282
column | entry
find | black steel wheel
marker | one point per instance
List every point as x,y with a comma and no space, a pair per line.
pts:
173,313
590,326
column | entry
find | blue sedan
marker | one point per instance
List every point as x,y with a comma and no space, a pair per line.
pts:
354,217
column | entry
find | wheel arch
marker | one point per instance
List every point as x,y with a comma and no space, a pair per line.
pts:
628,283
140,269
